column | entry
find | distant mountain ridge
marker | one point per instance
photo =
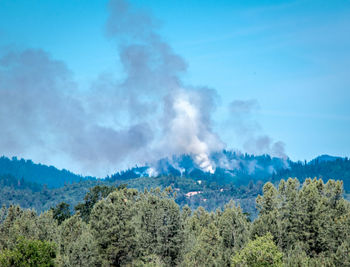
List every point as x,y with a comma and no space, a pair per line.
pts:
230,167
324,158
237,176
38,173
325,167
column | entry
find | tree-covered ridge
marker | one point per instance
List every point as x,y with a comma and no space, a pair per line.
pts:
8,180
14,191
297,225
210,195
321,167
38,173
210,191
230,167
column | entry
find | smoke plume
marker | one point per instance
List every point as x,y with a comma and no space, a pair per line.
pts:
249,130
145,113
140,115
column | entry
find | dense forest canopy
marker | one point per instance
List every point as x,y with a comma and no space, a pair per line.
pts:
297,225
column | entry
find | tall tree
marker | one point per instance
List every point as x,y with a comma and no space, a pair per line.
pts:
112,227
95,194
158,226
61,212
233,229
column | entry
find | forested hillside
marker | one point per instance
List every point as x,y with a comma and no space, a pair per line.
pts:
230,167
322,167
188,191
38,173
38,197
296,226
193,187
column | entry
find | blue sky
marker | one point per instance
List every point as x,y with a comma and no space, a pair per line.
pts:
292,57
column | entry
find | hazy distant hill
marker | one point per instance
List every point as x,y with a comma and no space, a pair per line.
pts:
324,158
325,167
38,173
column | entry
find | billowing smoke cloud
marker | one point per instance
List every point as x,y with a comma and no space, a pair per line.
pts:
249,130
43,118
146,114
153,89
187,121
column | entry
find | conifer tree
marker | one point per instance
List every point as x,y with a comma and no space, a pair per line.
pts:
113,228
267,205
158,226
233,229
206,251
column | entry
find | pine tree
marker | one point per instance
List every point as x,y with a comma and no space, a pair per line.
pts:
206,252
112,227
233,229
267,205
159,227
61,212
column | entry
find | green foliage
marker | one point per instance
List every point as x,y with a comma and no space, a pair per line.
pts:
46,227
267,206
83,195
339,168
213,195
158,226
11,215
342,255
148,261
259,253
212,238
23,183
61,212
112,227
44,198
95,194
306,225
296,256
314,215
77,245
29,253
206,251
234,230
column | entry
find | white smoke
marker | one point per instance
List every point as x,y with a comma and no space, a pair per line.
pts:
186,131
